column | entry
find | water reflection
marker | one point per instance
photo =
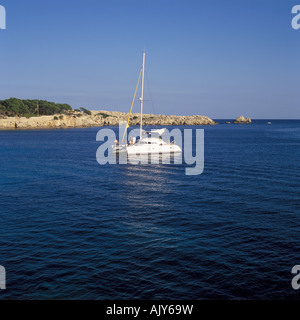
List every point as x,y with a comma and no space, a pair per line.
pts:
147,184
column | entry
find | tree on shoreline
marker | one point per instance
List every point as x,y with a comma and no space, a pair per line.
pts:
14,107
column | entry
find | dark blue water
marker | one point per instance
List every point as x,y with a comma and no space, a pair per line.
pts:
71,228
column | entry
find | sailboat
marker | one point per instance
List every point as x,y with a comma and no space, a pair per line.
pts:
150,142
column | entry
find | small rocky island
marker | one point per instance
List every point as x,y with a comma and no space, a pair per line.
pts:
241,120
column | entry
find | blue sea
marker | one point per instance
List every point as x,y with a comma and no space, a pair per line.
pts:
72,229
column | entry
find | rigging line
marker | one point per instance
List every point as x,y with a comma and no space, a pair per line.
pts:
127,125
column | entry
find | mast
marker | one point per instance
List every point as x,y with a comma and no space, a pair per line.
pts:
142,95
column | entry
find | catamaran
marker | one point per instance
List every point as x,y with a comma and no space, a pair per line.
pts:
150,142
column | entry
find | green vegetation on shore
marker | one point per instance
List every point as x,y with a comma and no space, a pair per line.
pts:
14,107
103,115
88,112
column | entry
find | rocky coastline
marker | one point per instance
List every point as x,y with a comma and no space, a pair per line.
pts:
79,119
97,119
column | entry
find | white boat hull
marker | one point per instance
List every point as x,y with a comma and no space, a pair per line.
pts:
148,149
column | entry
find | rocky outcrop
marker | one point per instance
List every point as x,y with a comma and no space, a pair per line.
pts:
241,119
98,118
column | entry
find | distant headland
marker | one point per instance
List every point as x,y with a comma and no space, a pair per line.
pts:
41,114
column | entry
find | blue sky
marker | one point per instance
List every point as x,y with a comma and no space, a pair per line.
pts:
217,58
